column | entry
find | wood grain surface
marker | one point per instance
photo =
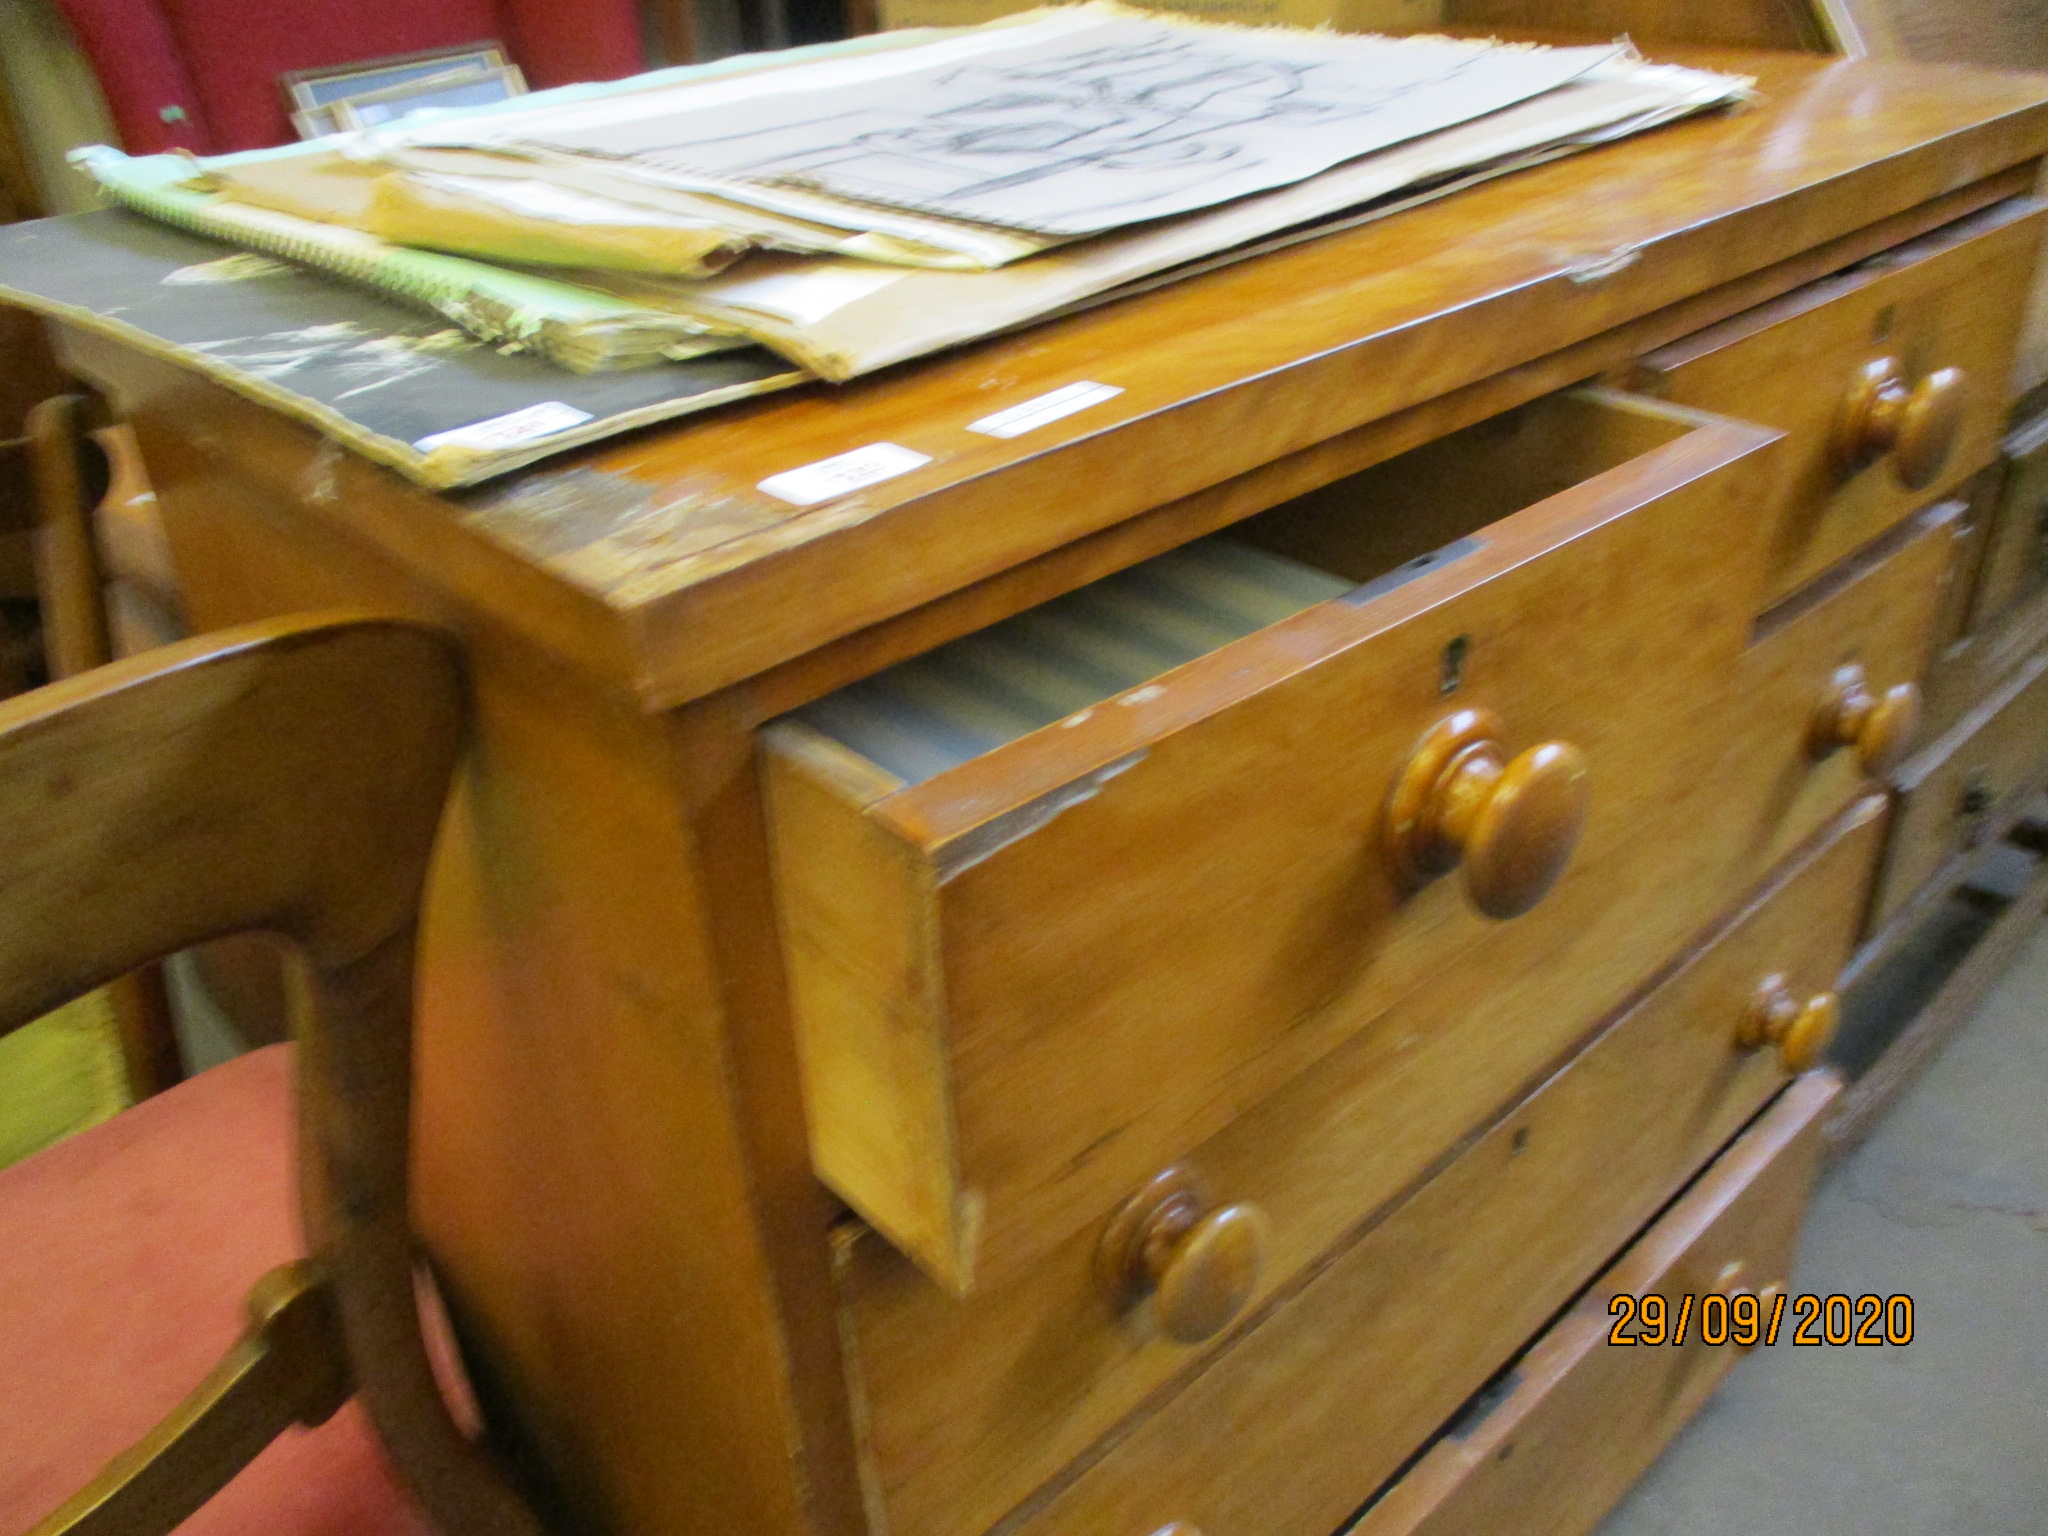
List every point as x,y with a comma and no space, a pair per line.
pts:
1580,1419
1962,783
1415,1077
1198,861
972,1406
656,559
287,777
1876,611
1946,301
612,1143
610,1159
1318,1402
1656,24
2016,534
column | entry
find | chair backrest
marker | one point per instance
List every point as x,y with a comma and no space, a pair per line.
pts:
66,481
203,74
287,777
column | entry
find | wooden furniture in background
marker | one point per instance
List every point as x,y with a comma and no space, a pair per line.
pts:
685,949
28,374
19,198
2004,34
21,645
288,776
1806,25
69,476
74,492
1964,879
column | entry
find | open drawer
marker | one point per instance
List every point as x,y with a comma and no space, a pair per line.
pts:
1052,895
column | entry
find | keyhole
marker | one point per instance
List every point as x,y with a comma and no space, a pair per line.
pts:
1454,665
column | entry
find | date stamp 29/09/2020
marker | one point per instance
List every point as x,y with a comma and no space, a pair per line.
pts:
1749,1318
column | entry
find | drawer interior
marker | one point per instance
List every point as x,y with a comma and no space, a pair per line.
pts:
1350,540
1378,521
971,696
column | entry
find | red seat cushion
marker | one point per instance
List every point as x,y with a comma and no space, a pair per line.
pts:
125,1253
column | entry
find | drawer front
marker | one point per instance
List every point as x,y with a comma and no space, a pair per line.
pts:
968,1407
1942,310
2016,541
1967,673
1798,749
1964,783
1582,1419
1025,982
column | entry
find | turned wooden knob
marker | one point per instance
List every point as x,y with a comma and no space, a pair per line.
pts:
1802,1031
1511,822
1916,424
1199,1265
1766,1303
1728,1283
1853,714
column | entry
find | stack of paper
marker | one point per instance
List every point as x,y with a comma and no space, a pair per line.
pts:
854,208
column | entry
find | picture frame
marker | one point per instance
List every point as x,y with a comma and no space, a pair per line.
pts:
456,88
308,90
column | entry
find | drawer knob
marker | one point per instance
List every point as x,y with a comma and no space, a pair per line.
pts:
1728,1283
1853,714
1199,1265
1802,1031
1916,424
1511,822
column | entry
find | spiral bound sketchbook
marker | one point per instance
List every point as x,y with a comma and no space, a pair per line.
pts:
399,386
579,328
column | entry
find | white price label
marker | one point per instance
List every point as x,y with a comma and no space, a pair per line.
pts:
843,473
1043,410
509,430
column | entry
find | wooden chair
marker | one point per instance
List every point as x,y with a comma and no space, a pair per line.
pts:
51,481
285,777
106,587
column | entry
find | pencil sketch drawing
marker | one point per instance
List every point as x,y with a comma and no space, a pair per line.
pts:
1083,131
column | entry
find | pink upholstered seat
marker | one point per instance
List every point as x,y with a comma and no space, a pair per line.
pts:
203,74
125,1255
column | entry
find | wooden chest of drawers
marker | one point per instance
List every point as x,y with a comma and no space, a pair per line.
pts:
1120,977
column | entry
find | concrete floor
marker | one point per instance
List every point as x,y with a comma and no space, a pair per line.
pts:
1948,1202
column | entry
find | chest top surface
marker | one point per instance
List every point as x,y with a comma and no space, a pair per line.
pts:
684,575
